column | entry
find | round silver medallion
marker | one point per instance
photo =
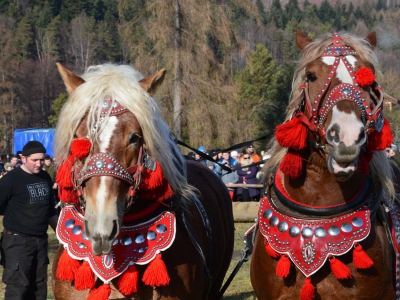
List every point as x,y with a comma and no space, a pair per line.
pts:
106,105
77,229
139,238
126,240
334,230
346,227
358,222
89,168
306,232
320,232
116,104
110,166
283,226
274,221
84,236
70,223
81,246
151,235
161,228
294,231
141,250
115,242
267,213
99,164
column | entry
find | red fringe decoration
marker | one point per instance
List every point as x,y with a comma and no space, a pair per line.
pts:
128,281
64,177
154,185
292,134
156,273
80,147
84,278
271,252
378,141
361,260
101,293
307,291
292,164
67,267
339,269
365,76
283,267
68,195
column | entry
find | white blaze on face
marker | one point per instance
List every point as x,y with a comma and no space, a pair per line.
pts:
104,142
341,72
350,126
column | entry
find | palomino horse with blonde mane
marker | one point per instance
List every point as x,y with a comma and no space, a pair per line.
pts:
137,220
330,200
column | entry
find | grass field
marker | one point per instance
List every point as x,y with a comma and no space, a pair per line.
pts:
239,289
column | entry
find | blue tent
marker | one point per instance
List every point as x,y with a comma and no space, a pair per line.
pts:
43,135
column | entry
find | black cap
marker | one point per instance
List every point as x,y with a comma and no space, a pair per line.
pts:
33,147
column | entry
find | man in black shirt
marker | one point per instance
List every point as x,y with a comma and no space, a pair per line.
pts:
26,196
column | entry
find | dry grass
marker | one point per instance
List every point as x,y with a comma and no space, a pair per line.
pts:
239,289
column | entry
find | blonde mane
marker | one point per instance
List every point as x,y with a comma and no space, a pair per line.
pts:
121,82
381,170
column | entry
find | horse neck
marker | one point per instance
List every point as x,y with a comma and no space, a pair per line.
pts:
318,187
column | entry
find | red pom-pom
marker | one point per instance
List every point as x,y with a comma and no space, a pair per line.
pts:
80,147
101,293
84,277
365,77
361,260
156,273
154,186
64,173
292,134
271,252
67,267
339,269
68,195
292,164
378,141
283,267
128,281
307,291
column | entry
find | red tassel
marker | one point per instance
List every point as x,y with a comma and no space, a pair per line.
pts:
378,141
80,147
283,267
365,76
84,278
154,185
361,260
292,134
271,252
128,281
307,291
292,164
339,269
64,176
67,267
68,195
101,293
156,273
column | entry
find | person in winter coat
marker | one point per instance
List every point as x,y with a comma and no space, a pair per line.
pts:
247,175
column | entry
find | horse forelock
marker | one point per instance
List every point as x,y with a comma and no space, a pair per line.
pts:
121,83
379,166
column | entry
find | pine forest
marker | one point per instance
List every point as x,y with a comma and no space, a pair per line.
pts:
229,62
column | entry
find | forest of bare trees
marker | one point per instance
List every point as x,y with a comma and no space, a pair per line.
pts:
229,62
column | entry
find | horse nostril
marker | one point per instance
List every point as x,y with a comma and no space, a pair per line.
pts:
361,136
332,134
114,231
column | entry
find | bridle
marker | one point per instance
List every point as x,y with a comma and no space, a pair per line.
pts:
314,115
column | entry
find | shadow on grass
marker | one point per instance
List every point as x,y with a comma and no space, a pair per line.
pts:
241,296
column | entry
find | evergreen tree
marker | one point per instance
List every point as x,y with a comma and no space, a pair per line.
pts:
293,11
56,109
325,12
276,15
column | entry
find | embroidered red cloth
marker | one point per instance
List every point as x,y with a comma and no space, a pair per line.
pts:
309,243
138,244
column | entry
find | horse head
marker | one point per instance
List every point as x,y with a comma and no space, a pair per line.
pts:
341,101
108,178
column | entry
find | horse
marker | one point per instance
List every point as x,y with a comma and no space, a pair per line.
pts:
138,221
329,186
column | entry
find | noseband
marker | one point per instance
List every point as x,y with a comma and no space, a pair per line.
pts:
315,116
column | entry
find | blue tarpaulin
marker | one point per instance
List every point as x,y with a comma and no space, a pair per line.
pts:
43,135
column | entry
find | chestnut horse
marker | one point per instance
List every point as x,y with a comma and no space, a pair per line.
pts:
321,221
137,220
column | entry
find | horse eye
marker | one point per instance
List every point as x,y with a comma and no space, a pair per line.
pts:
311,77
134,139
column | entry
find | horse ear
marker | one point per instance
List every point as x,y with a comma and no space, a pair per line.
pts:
302,40
151,83
371,37
71,80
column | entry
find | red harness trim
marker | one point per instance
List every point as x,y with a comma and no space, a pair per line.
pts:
281,188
